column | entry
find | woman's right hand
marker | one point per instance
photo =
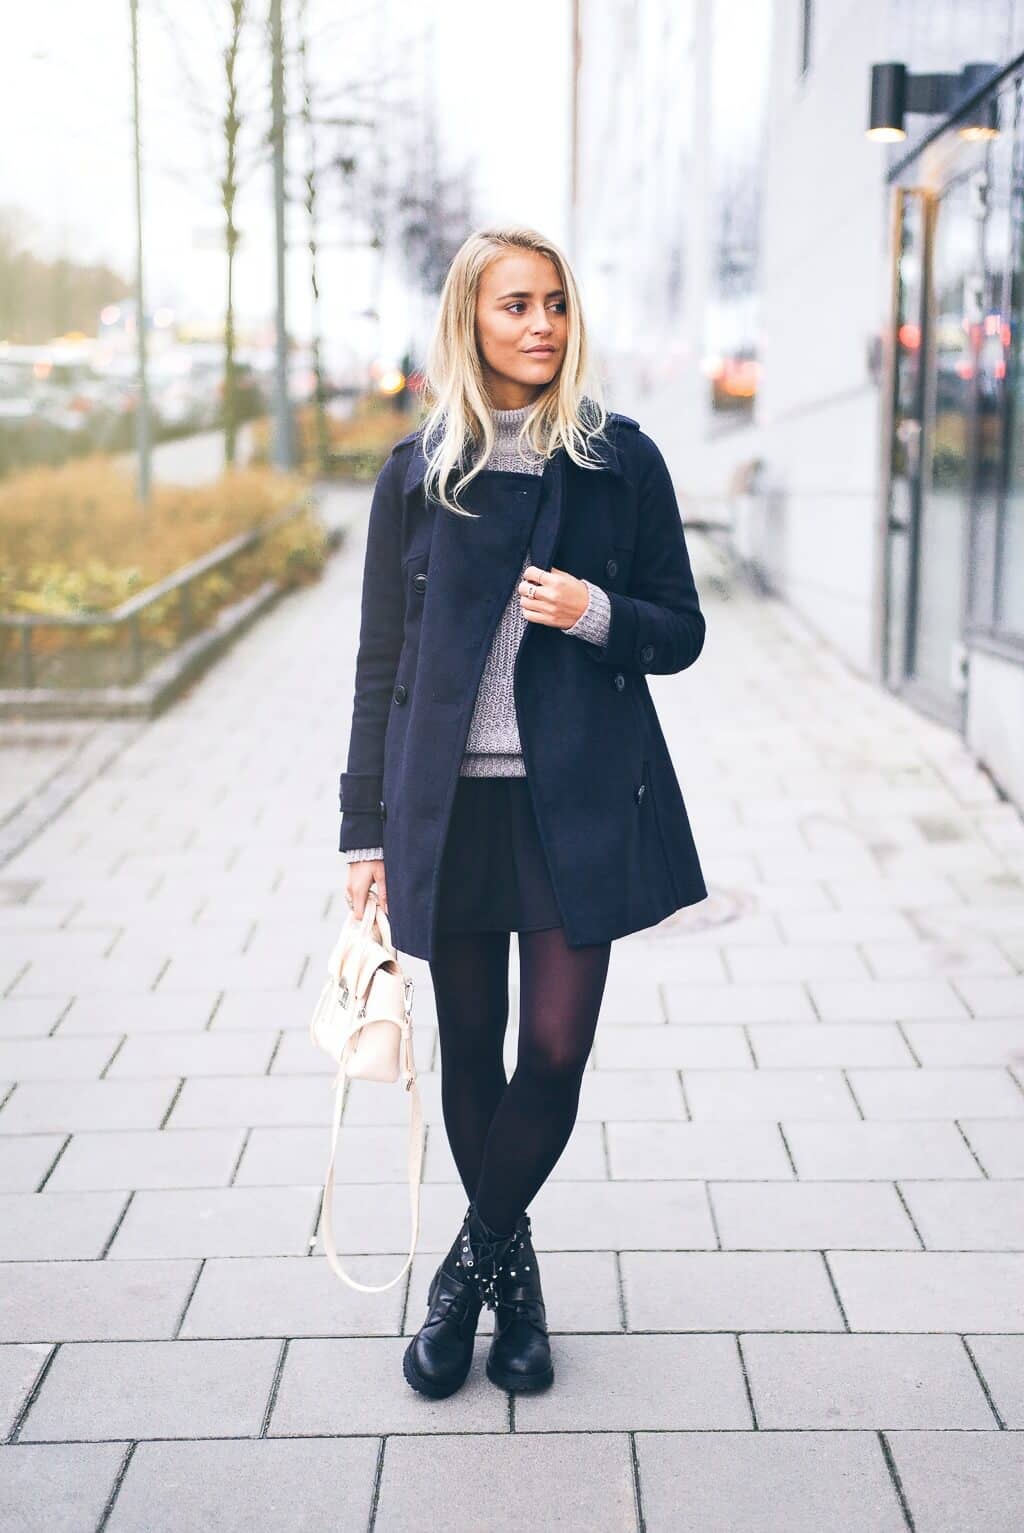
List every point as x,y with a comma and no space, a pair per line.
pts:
361,875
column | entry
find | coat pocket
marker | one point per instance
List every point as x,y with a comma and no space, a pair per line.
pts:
657,858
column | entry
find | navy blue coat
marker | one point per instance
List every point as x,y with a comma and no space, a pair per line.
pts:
609,809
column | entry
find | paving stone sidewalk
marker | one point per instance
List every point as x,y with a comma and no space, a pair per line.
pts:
783,1252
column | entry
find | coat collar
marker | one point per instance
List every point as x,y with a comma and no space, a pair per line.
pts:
609,450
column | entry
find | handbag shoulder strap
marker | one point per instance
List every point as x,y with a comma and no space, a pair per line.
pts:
414,1168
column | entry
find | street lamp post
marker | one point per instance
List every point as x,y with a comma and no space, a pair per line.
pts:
142,407
283,455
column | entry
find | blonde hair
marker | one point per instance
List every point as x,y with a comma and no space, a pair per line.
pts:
569,411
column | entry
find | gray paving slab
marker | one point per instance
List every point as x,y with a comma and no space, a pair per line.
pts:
728,1291
774,1216
20,1366
194,1054
868,1151
674,1151
831,1045
669,1046
143,1389
93,976
26,1158
993,997
879,1000
148,1158
55,1059
721,1095
957,1216
59,1487
36,1226
145,1013
976,1042
956,1481
248,1100
965,1092
286,1156
997,1143
33,1016
330,1384
930,1290
217,1221
40,1107
619,1215
779,1001
291,1486
762,1482
93,1301
621,1383
294,1296
620,1095
249,1010
1000,1360
795,961
864,1382
550,1482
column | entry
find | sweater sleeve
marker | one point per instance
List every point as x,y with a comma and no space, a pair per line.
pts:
594,621
365,854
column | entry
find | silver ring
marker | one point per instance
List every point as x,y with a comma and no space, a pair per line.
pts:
532,590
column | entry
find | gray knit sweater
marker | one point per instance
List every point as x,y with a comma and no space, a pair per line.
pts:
493,747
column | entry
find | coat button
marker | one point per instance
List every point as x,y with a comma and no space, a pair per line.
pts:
640,793
611,569
620,680
420,582
647,654
400,693
383,811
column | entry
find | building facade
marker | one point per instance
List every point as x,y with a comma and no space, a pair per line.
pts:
845,315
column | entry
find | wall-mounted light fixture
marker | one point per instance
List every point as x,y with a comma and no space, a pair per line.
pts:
895,91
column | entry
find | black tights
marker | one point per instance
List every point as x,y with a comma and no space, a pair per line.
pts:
507,1135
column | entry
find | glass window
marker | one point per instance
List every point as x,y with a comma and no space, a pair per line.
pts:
1010,564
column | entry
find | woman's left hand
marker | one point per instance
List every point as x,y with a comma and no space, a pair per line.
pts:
559,599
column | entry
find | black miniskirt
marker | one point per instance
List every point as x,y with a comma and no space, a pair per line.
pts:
494,874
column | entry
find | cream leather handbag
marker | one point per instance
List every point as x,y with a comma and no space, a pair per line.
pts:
363,1019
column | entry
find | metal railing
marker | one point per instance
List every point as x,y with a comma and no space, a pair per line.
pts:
128,614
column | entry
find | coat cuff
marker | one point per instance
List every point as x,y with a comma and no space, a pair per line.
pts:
593,623
365,854
361,791
362,805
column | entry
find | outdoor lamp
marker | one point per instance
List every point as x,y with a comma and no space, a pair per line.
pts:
895,91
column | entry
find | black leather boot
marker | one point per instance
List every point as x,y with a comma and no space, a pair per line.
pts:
439,1356
520,1354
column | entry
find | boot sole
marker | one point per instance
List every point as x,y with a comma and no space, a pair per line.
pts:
519,1383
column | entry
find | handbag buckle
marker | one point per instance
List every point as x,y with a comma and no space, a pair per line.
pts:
343,992
407,987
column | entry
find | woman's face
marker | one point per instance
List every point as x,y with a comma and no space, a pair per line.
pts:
520,327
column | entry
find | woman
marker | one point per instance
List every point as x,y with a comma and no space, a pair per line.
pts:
506,768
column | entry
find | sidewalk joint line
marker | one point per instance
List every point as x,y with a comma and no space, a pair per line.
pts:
984,1385
275,1385
115,1489
835,1289
906,1206
638,1500
746,1378
894,1474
